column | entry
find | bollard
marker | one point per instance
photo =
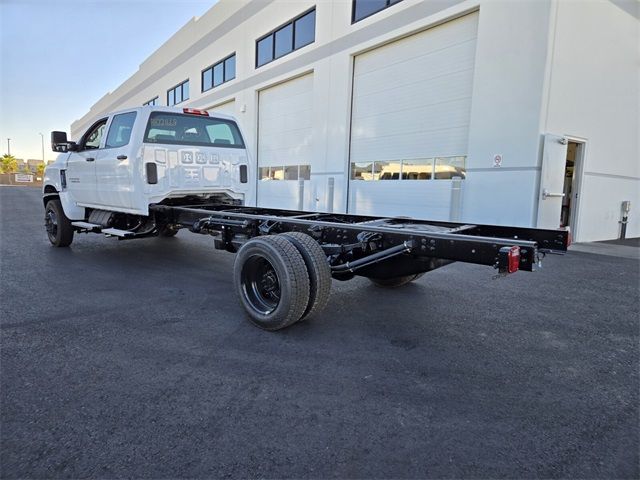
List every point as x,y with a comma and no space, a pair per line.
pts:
300,194
456,199
330,186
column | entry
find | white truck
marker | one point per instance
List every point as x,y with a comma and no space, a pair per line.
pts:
151,171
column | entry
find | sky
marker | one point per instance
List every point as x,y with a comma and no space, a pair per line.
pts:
59,57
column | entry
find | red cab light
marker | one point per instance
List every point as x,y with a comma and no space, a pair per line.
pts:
195,111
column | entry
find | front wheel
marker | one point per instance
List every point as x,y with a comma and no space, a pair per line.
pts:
271,280
59,228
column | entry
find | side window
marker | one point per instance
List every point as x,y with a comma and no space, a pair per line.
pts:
93,137
120,130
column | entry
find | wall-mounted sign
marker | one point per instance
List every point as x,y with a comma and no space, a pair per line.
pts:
497,160
24,178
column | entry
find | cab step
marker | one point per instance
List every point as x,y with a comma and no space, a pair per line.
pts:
116,232
87,226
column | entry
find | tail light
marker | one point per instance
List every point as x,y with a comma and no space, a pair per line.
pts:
195,111
509,259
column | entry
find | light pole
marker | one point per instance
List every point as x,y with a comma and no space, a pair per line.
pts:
42,139
8,146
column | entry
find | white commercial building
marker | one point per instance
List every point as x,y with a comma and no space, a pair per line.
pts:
480,111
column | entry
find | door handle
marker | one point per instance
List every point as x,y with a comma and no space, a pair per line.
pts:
546,194
121,157
90,159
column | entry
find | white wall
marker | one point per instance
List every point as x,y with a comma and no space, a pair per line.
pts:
594,94
530,78
505,113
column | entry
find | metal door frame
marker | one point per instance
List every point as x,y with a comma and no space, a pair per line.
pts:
577,182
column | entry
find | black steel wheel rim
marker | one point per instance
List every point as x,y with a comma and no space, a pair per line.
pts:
51,224
260,285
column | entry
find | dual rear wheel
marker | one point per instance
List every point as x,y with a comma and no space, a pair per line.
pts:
282,279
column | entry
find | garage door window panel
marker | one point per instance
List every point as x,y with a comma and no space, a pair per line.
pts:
419,169
448,167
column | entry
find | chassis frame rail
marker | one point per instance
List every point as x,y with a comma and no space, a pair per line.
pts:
360,242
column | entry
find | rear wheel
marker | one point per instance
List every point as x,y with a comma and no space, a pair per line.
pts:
318,269
271,279
59,228
395,281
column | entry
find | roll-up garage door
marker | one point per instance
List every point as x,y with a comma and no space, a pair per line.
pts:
228,108
285,117
410,121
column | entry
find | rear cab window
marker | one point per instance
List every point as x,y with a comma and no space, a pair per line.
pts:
185,129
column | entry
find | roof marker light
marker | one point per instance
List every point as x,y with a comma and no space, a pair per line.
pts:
195,111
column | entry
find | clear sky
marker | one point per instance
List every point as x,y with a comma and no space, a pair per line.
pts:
58,57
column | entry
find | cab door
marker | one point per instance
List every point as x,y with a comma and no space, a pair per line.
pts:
81,165
114,165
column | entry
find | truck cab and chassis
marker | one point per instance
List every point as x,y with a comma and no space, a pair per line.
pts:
152,171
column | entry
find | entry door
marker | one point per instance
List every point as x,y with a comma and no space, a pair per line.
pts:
115,163
554,159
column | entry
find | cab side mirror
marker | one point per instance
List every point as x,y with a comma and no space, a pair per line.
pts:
59,143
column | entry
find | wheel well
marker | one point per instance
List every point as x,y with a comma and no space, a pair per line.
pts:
50,192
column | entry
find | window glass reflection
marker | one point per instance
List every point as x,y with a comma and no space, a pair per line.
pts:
362,171
387,170
284,40
449,167
417,169
265,50
305,30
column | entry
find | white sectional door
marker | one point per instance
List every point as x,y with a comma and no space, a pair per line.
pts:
228,108
285,116
410,121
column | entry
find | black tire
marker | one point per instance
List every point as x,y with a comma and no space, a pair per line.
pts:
271,280
59,228
318,269
167,231
395,281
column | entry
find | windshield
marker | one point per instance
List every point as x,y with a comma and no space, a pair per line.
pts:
183,129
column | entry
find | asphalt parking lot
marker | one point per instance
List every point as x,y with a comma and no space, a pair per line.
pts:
133,359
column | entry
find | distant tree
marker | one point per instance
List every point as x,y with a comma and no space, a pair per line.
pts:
25,168
40,170
8,164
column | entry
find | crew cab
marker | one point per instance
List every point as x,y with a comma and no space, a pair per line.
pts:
131,159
